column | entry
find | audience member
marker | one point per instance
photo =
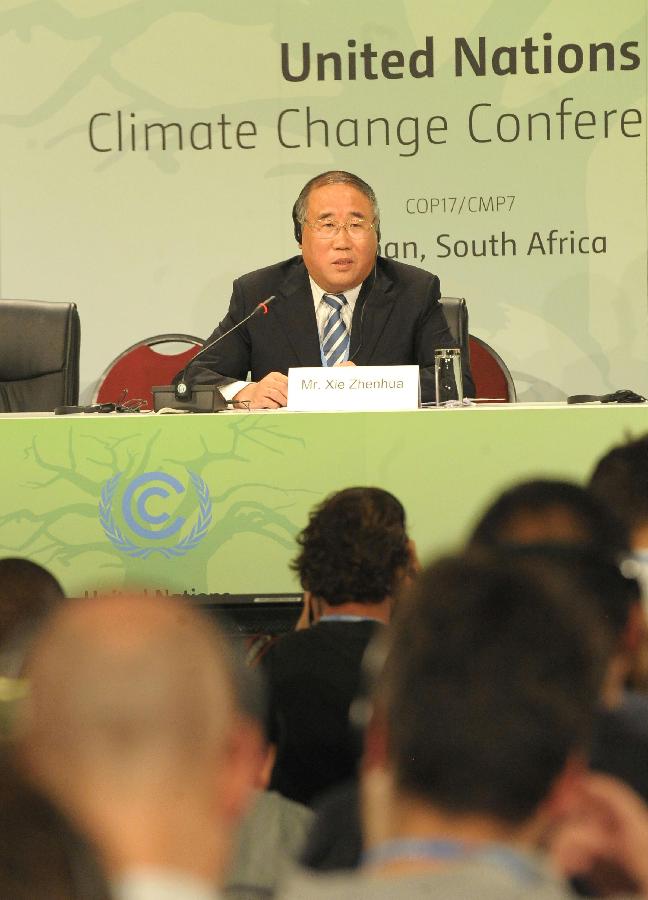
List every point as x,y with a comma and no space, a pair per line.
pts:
563,514
620,480
41,853
28,592
335,840
550,511
475,750
273,830
130,725
355,553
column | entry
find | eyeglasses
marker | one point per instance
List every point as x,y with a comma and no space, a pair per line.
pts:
357,229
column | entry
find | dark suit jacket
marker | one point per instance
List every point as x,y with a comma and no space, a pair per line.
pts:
312,677
397,320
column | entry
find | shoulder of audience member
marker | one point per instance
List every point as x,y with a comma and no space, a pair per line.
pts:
299,642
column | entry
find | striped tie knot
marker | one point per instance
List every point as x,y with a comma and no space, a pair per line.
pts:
335,337
335,301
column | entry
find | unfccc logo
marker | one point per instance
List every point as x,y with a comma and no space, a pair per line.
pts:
144,517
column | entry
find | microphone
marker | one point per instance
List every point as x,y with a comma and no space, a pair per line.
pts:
203,397
182,388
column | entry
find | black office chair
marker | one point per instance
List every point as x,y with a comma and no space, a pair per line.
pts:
39,355
456,313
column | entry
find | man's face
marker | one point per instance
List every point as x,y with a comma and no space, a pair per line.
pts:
339,263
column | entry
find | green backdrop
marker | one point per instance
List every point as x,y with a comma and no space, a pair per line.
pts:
148,240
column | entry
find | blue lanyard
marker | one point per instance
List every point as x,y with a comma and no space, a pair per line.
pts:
408,849
340,617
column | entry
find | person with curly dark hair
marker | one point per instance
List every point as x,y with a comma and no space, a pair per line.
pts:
354,556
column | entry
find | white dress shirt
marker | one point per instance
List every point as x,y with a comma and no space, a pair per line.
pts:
322,312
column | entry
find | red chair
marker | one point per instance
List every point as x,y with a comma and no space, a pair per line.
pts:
141,366
490,373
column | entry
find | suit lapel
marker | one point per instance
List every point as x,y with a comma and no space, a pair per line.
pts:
296,314
371,313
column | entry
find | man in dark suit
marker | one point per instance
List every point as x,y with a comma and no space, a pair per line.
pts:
336,304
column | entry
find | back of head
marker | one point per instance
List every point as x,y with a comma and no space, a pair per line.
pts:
601,579
490,685
126,692
550,511
620,480
27,593
41,852
567,523
354,548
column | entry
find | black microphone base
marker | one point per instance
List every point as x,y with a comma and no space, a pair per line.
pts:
202,398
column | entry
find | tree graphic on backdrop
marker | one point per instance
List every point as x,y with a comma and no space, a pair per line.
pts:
113,30
257,508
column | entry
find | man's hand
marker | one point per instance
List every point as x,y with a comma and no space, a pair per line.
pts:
269,393
347,362
308,615
608,838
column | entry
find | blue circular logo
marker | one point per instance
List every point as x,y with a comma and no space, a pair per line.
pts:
144,504
133,496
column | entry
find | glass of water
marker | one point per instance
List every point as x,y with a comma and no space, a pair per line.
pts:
447,377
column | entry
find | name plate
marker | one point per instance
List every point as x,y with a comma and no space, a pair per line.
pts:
357,388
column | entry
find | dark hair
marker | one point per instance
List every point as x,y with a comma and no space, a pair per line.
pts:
491,682
336,176
354,547
586,521
41,852
569,528
602,579
27,593
620,480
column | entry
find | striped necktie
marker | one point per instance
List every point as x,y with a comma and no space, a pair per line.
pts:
335,337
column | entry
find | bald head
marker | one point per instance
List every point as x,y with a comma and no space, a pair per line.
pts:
128,690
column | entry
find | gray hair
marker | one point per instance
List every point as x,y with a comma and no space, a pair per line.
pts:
334,177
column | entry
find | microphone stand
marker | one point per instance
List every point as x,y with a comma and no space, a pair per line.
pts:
200,397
